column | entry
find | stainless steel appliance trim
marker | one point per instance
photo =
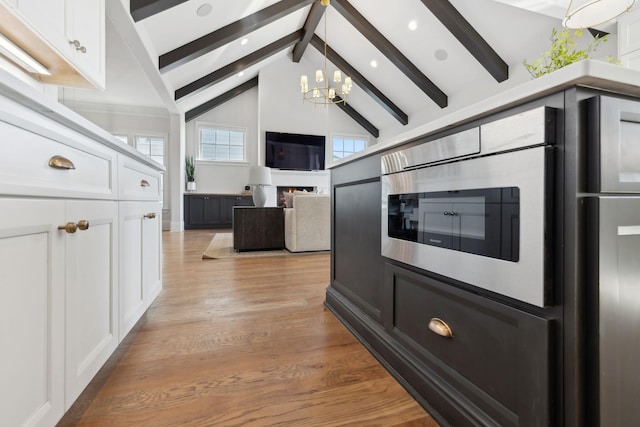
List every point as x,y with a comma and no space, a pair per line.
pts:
460,144
522,280
619,150
526,129
522,130
619,309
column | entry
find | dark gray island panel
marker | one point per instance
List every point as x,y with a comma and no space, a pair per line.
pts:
357,266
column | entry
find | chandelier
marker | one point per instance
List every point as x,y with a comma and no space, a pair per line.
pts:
323,92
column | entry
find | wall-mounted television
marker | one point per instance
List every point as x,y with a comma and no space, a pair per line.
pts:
294,151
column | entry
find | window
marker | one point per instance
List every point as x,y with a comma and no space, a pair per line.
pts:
221,144
152,146
345,146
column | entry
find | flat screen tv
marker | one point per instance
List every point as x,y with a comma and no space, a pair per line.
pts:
294,151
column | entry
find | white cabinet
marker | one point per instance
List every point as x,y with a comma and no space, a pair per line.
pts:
75,29
62,242
47,18
140,254
86,34
32,289
629,39
92,291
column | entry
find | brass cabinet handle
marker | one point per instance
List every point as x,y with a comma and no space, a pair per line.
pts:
439,327
70,227
83,224
59,162
144,183
150,215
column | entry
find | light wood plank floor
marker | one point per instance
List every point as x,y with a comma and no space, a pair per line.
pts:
242,342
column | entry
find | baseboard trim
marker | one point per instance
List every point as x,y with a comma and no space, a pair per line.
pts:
428,390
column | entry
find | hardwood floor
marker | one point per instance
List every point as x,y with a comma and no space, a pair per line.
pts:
242,342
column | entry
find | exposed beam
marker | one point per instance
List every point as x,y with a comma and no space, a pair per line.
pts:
210,105
390,51
310,25
141,9
469,37
224,35
239,65
362,82
358,117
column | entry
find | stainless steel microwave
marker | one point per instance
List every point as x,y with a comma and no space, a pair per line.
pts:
474,206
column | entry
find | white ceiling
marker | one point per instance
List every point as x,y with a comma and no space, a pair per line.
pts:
515,29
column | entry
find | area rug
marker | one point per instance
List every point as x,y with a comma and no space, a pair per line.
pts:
221,246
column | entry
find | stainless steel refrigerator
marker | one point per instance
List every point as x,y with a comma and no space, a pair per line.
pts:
613,258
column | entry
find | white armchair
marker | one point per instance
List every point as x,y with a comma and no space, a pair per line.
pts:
307,225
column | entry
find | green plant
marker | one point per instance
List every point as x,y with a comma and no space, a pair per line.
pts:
563,52
190,169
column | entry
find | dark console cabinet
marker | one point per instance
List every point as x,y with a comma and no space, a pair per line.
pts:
203,211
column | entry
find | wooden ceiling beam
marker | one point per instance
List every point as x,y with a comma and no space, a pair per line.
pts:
309,28
227,34
390,51
469,37
141,9
351,112
239,65
361,81
213,103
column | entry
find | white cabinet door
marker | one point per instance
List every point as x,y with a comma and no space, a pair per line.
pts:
139,260
92,292
48,19
151,251
31,312
86,30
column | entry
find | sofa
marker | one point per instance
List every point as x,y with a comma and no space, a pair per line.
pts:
307,223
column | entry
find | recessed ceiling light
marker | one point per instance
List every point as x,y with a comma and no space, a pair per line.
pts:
244,41
204,9
241,73
441,54
374,63
413,25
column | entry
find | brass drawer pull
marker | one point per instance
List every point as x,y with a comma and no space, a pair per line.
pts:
150,215
439,327
69,227
83,224
59,162
144,183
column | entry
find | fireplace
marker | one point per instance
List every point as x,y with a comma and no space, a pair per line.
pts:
289,189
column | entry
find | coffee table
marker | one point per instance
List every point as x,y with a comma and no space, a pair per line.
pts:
258,228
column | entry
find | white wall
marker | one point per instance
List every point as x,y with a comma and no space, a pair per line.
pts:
227,178
282,108
276,105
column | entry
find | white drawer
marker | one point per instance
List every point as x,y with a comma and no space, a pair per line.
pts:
137,181
26,154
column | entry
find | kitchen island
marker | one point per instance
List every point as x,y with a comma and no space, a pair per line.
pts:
476,356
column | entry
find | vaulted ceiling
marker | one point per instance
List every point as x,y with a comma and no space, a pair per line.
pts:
206,52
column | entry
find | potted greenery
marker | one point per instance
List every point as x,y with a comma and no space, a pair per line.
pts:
563,51
190,171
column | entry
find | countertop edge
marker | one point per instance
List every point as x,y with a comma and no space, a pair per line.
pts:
20,92
586,73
